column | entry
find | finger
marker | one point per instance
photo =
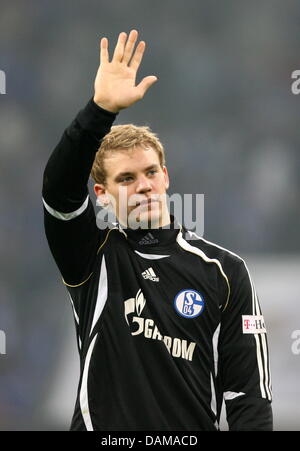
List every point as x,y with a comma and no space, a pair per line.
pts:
130,46
138,55
146,83
119,49
104,55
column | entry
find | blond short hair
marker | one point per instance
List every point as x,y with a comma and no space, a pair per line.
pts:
126,136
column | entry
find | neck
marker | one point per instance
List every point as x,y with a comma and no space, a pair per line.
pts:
163,221
155,237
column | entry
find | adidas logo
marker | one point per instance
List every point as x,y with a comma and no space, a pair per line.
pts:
150,274
148,239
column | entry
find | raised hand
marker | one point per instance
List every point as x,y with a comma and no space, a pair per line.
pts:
115,83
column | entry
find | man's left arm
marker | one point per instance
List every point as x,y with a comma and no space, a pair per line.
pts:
244,357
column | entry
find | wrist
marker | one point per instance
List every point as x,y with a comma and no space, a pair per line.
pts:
106,106
95,119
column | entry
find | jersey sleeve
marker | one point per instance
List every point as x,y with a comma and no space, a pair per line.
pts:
244,357
69,217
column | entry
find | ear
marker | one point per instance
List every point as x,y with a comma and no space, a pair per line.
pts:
101,194
166,175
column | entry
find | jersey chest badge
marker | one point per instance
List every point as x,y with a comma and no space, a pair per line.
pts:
189,303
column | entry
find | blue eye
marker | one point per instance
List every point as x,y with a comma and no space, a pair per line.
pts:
126,179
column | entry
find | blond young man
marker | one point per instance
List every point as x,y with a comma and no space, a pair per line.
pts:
168,324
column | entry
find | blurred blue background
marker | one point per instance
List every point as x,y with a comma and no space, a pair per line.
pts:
223,108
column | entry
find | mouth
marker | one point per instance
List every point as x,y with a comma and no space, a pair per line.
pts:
147,203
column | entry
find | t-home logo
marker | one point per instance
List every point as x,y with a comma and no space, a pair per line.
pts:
2,82
2,342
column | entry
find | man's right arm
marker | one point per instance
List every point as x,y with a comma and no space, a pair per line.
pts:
69,215
70,223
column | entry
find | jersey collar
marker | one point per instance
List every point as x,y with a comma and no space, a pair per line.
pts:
150,238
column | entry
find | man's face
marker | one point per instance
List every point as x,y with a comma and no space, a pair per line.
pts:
136,186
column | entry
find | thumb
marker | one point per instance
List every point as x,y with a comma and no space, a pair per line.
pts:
145,84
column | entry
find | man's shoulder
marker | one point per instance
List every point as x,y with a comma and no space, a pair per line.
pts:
213,251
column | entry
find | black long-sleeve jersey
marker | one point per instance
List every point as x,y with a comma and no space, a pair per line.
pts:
168,324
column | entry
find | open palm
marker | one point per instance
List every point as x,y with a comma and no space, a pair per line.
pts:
115,83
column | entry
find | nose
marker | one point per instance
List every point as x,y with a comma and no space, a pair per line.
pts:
143,185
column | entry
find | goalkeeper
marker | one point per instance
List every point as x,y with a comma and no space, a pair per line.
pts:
168,324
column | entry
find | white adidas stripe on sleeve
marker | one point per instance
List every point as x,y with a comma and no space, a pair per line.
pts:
67,216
